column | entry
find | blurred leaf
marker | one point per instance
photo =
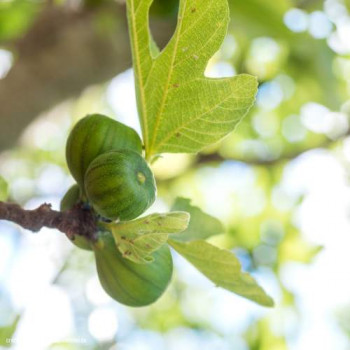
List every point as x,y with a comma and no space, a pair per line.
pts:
4,190
16,17
295,248
180,109
164,8
223,268
260,17
342,316
7,332
138,239
260,336
201,225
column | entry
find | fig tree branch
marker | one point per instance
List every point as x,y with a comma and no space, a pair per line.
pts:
63,52
284,157
76,221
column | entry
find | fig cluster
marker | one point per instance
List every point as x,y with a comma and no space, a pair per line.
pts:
105,158
125,281
112,177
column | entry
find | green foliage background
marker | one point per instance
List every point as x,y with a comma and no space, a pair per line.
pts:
240,181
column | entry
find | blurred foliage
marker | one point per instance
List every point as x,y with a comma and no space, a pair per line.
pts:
3,189
303,103
16,17
161,8
260,337
7,332
201,226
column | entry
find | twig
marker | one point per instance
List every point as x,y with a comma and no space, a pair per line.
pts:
216,157
61,54
76,221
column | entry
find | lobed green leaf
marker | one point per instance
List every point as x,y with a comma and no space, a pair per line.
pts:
180,109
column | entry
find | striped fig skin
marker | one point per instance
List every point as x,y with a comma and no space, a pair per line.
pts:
130,283
120,185
93,135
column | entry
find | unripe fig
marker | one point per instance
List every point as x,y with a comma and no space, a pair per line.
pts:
68,201
120,185
94,135
71,198
127,282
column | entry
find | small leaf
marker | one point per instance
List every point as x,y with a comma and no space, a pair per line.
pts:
223,268
180,109
4,190
201,225
138,239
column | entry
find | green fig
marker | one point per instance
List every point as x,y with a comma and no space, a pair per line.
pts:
71,197
120,185
127,282
68,201
94,135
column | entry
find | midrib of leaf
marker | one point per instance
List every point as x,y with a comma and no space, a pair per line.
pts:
171,69
138,74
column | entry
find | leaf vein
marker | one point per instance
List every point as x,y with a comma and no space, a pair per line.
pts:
172,133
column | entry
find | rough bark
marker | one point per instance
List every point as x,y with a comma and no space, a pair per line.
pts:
76,221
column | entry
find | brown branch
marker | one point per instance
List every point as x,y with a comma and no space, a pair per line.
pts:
304,4
63,52
216,157
76,221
